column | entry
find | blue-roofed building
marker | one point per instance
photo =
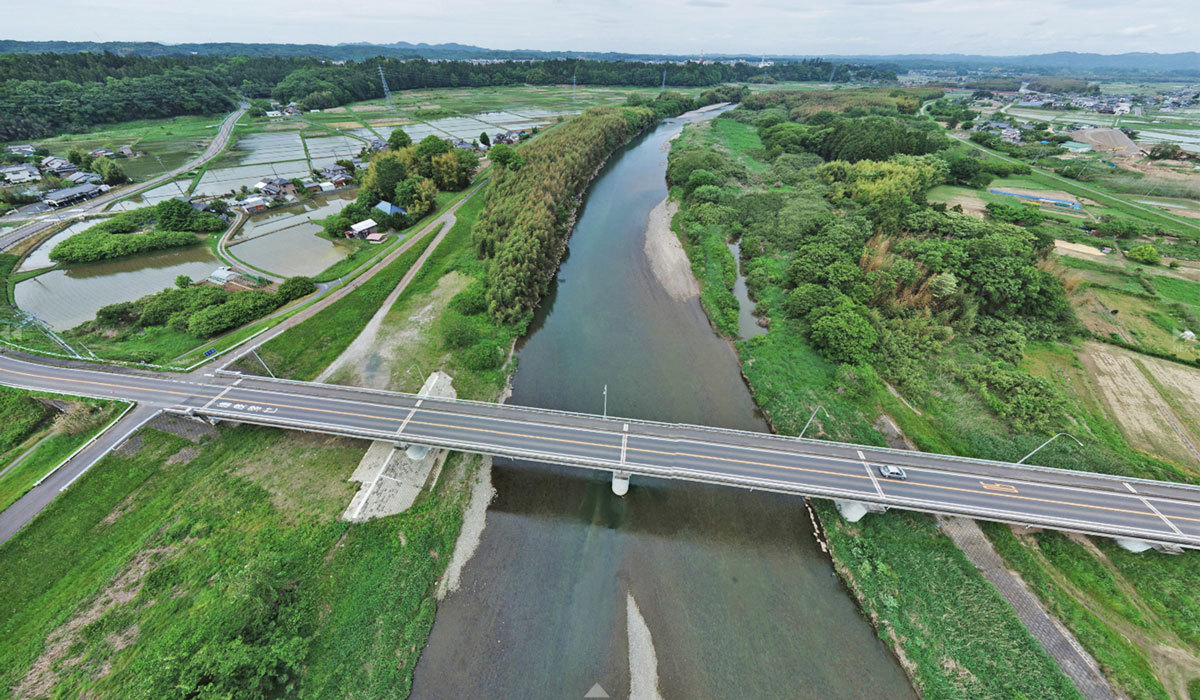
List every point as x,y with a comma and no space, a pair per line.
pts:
391,209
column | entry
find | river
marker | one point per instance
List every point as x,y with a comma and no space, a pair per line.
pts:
738,598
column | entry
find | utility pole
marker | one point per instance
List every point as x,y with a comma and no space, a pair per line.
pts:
606,401
1022,460
810,419
664,81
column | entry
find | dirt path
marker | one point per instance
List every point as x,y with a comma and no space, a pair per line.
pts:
667,259
446,218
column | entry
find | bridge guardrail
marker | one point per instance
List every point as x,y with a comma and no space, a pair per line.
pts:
703,477
732,431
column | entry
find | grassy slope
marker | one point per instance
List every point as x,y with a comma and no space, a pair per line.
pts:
238,549
52,447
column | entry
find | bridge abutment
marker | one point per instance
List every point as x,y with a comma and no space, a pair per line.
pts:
855,510
1136,546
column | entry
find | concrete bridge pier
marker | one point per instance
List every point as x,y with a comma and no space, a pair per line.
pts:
620,483
1134,545
855,510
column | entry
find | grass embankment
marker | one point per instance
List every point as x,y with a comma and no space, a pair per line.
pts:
204,570
303,351
37,438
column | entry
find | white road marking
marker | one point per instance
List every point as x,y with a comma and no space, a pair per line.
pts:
1164,518
409,416
1131,489
870,473
216,398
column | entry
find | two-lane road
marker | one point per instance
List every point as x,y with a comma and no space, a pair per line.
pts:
97,204
1076,501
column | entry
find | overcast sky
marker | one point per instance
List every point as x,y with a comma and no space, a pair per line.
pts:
801,27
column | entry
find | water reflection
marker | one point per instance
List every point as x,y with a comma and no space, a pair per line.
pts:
66,298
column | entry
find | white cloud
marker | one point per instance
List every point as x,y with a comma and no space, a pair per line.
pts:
800,27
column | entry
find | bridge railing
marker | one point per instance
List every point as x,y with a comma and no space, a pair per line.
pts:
1032,468
701,476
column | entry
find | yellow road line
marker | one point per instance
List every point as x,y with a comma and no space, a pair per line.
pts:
636,449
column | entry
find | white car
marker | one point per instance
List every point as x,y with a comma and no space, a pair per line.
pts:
891,472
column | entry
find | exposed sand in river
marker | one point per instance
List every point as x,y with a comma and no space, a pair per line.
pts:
666,256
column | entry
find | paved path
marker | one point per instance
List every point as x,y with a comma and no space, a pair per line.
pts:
18,514
1058,642
97,204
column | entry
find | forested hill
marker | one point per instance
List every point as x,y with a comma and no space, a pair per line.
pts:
48,93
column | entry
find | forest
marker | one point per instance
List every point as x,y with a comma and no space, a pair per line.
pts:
47,93
851,255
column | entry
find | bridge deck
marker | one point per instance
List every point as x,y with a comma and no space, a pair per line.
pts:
1077,501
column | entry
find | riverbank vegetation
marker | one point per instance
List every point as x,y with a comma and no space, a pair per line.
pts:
873,294
171,223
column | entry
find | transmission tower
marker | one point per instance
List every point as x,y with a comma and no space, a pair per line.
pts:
387,93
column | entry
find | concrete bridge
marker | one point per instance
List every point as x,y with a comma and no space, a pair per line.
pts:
1139,513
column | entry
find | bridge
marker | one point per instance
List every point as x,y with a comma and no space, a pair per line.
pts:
1138,513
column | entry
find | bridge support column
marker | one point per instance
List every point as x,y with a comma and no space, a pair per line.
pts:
855,510
1136,546
620,483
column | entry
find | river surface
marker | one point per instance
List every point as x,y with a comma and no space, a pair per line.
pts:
739,600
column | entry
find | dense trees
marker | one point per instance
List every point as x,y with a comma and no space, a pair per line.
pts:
851,256
172,223
523,228
200,310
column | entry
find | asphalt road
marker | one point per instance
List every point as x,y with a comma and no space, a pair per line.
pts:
97,204
1068,500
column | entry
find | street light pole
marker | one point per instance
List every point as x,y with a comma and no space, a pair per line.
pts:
1047,443
606,401
810,419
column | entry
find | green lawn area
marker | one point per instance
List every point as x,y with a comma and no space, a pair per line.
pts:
222,569
51,445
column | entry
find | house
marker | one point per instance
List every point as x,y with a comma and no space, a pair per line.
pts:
21,149
58,165
126,151
338,175
509,137
466,145
327,186
274,113
377,145
291,111
101,152
70,195
311,185
276,186
80,178
1011,135
362,229
390,209
251,205
223,276
20,172
376,238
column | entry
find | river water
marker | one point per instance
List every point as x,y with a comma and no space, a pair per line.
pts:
738,598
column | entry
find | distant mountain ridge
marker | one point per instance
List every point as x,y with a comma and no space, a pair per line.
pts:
1183,64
